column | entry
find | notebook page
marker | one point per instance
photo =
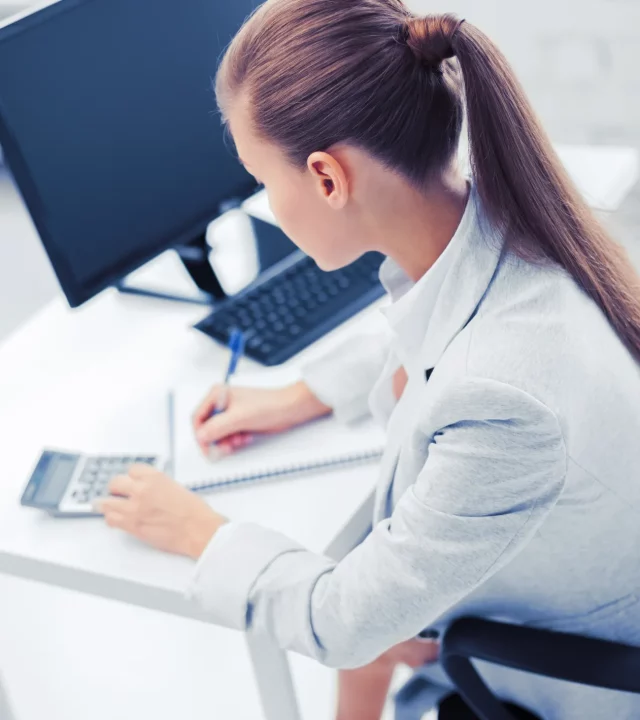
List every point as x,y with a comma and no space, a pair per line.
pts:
314,443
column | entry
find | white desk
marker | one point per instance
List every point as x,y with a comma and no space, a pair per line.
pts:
49,369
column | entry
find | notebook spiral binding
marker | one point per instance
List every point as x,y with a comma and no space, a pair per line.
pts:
367,456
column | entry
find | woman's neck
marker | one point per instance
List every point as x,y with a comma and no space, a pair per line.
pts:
414,227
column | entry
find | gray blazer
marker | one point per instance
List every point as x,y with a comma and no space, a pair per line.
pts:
509,487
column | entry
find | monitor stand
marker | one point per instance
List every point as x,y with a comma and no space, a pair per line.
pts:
195,259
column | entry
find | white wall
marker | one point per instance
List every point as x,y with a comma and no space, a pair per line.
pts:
26,279
577,60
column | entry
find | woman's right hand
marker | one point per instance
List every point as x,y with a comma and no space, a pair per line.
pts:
251,411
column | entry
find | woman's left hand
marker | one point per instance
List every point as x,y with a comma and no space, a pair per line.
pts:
157,510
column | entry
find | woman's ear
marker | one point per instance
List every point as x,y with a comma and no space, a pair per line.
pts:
330,178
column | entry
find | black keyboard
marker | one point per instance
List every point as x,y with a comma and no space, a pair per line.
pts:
286,311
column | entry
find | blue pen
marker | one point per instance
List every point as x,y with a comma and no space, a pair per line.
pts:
236,349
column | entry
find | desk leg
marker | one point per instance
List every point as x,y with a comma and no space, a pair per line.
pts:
273,676
5,710
270,664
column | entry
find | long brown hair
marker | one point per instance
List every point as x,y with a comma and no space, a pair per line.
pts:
372,74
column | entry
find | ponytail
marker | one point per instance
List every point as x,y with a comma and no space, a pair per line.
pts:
522,183
369,72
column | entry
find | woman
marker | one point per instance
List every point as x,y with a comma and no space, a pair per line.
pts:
509,384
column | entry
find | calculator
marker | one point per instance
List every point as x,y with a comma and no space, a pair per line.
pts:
65,484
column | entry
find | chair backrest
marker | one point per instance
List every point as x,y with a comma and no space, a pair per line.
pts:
574,658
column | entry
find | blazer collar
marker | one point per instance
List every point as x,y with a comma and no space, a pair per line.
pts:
426,317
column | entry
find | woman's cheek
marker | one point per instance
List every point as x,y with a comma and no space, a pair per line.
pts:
276,206
290,218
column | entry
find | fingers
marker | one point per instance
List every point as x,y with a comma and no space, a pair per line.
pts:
112,506
219,427
115,520
239,441
140,471
205,409
228,446
122,485
119,512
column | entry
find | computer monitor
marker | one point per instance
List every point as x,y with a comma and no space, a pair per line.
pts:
109,126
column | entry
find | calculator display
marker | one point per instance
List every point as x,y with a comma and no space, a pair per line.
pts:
50,478
57,478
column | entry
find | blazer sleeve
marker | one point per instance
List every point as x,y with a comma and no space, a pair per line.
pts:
494,470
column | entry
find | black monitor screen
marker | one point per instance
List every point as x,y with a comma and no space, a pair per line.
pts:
109,125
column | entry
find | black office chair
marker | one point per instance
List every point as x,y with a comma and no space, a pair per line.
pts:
578,659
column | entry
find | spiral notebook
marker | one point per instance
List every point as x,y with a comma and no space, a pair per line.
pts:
317,447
